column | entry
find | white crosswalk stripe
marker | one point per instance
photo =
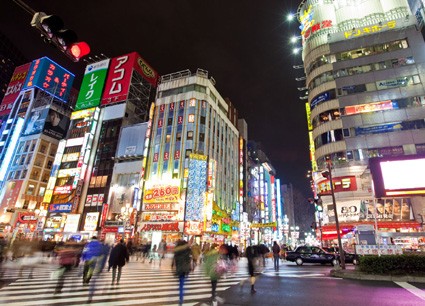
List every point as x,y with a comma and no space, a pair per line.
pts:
140,284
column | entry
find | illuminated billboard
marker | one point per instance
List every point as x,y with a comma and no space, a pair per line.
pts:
398,176
56,125
196,187
50,77
92,85
162,192
117,84
15,86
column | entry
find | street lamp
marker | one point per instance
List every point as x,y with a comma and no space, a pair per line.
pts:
329,174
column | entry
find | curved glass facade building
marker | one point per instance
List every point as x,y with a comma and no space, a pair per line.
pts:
364,64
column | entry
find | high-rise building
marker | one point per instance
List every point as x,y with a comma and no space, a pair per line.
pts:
262,208
37,118
192,174
363,62
114,95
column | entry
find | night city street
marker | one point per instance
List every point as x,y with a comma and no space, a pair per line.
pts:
149,284
175,152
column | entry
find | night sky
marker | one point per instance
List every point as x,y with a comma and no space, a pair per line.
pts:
243,44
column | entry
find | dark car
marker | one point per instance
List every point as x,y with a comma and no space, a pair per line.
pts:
349,257
311,254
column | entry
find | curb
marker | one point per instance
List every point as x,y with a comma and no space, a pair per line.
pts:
364,276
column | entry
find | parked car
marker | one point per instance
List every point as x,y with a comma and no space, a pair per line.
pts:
311,254
349,257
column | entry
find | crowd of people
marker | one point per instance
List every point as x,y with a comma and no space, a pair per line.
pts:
217,260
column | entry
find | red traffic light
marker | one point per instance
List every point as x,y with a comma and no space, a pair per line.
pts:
79,49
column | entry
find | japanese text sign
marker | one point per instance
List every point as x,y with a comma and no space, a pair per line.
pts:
13,89
92,85
49,76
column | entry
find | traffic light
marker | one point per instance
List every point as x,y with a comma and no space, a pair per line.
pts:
52,30
318,204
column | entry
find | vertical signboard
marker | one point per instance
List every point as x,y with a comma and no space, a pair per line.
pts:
15,85
92,85
13,187
196,187
118,81
119,77
51,77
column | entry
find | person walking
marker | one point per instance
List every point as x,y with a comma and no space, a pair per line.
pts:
196,253
251,255
216,265
91,253
162,248
181,262
276,254
117,259
67,257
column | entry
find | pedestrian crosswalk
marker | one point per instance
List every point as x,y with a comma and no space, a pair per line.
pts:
140,284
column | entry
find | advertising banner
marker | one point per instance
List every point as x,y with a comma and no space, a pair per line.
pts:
162,226
145,70
71,224
51,77
119,77
56,125
196,187
15,86
193,227
161,206
92,85
35,122
395,209
26,217
90,223
162,192
348,211
340,184
118,81
60,208
381,249
11,194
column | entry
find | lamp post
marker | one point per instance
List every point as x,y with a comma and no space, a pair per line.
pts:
341,250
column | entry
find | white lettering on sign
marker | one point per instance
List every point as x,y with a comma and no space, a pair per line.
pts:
116,86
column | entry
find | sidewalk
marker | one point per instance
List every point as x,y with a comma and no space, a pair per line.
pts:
356,274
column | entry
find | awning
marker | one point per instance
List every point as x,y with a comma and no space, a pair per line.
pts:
329,231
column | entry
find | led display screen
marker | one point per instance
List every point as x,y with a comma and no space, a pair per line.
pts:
398,176
49,76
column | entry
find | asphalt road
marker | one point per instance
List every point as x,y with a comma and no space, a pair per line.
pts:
151,284
312,285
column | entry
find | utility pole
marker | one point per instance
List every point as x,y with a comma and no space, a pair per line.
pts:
341,250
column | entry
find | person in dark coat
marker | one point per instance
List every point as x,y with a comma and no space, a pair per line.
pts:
181,261
117,259
252,252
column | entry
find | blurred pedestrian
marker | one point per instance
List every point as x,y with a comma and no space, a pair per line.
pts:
147,250
117,259
91,254
162,248
276,254
181,262
67,258
153,253
216,265
196,253
251,255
